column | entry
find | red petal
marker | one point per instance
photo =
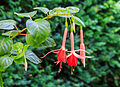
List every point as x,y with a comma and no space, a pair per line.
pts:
62,56
72,60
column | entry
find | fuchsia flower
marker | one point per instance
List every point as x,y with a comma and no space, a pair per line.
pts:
61,57
72,57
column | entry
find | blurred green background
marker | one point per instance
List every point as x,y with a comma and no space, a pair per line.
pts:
101,37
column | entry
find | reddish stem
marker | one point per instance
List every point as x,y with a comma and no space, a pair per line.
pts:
23,34
72,41
64,38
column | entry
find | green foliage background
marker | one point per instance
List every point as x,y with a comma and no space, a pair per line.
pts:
101,36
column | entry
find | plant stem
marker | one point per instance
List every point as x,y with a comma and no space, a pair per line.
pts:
16,28
19,32
1,80
23,29
15,35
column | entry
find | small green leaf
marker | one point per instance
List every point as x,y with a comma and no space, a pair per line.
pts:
32,57
48,43
7,24
5,45
29,14
71,9
43,9
10,33
17,49
78,21
20,60
25,48
5,62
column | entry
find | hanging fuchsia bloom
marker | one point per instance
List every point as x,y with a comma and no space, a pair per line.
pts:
72,57
61,57
82,47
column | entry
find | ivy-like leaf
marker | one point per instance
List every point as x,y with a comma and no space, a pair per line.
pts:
32,57
7,24
10,33
29,14
43,9
71,9
5,45
48,43
78,21
37,34
5,62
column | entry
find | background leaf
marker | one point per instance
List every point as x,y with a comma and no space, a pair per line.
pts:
7,24
48,43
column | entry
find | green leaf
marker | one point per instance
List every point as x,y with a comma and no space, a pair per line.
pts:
5,45
17,49
1,80
43,9
5,62
78,21
7,24
71,9
48,43
20,60
29,14
32,57
32,27
10,33
38,34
